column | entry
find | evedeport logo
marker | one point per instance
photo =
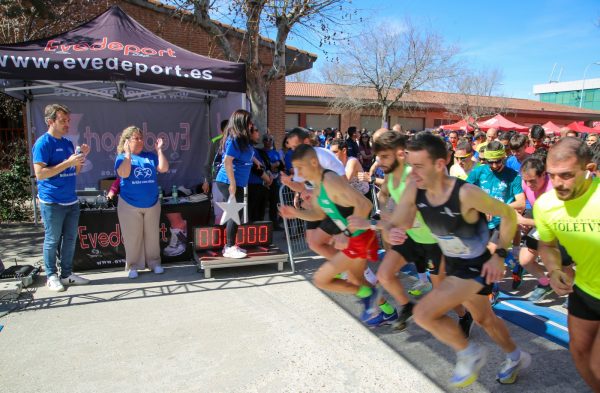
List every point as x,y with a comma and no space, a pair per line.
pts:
61,47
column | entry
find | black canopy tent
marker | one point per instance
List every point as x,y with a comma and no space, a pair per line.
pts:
113,57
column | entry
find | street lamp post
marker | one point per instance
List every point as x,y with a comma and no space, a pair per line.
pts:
583,82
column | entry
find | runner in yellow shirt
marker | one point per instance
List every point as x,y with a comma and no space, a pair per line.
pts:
571,215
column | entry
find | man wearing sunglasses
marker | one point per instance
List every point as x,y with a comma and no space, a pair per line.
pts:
463,160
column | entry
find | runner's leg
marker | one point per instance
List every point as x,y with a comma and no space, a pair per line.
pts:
482,313
584,338
319,241
386,275
324,277
430,312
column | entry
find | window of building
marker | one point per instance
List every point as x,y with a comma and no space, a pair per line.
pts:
292,120
371,123
319,122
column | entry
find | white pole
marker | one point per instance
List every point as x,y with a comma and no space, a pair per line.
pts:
583,81
29,126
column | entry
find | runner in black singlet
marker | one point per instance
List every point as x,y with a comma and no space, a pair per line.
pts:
454,212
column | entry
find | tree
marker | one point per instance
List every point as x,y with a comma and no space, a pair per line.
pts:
279,17
25,20
392,62
476,95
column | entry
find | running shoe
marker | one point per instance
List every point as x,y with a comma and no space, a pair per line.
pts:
177,244
539,293
495,294
517,276
466,324
509,371
420,288
405,315
382,319
467,367
370,304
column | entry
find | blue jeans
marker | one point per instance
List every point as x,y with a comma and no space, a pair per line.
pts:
60,226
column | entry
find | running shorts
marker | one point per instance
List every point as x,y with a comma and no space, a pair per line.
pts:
426,256
363,246
470,269
584,306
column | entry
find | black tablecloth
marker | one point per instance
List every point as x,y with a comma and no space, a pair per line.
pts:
100,243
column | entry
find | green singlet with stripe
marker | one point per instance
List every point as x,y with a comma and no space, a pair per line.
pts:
332,210
217,138
420,232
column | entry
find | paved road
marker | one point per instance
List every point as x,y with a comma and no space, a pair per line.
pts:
243,330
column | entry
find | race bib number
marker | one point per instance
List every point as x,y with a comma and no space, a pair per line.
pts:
452,245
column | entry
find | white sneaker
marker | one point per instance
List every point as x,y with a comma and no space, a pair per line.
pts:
509,371
158,269
176,244
233,252
133,273
53,284
467,367
74,279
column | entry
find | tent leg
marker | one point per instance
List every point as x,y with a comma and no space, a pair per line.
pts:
29,130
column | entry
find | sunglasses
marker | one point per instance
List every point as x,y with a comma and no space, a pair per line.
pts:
494,162
463,158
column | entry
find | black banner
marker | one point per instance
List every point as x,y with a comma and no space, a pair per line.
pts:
100,241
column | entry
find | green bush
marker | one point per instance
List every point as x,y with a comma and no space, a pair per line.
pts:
15,187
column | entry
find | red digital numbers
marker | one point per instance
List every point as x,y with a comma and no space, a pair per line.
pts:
248,234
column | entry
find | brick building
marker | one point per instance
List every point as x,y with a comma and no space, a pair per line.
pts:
308,105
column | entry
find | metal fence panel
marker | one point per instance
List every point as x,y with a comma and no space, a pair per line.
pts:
295,229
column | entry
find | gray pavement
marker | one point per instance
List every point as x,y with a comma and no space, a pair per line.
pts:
244,330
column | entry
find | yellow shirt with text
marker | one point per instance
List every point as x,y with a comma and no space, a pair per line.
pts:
576,225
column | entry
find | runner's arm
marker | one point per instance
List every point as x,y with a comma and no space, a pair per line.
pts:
473,197
342,193
550,254
406,209
519,203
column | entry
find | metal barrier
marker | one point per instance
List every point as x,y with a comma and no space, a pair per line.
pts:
374,191
295,229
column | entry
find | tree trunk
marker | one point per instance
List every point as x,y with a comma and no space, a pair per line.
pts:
385,110
257,93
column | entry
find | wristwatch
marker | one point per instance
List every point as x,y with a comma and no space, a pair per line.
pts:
501,252
373,225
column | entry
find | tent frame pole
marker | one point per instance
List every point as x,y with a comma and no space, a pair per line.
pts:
29,130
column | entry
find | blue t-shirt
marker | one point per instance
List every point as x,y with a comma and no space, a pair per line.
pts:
274,157
287,160
513,164
59,188
503,185
242,163
254,178
140,189
322,140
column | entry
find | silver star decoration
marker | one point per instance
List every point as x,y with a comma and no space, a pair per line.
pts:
231,210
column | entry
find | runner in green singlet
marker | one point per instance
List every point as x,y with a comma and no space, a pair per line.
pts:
336,199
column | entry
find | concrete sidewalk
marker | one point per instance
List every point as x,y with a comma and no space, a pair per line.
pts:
244,330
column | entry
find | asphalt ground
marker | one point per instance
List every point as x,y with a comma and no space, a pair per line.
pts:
244,330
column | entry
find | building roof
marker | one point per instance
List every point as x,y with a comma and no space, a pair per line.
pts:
324,92
557,87
296,59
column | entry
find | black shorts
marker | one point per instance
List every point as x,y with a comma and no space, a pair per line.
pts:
470,269
327,225
532,243
429,256
584,306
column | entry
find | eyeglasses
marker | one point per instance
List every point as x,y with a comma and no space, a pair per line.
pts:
494,162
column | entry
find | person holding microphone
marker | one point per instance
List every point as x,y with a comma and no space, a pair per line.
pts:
234,173
139,208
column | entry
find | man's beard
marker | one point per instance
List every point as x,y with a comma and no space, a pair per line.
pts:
392,168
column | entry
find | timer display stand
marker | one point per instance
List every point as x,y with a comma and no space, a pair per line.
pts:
256,238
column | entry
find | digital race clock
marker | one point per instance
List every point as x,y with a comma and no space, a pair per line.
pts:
252,234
